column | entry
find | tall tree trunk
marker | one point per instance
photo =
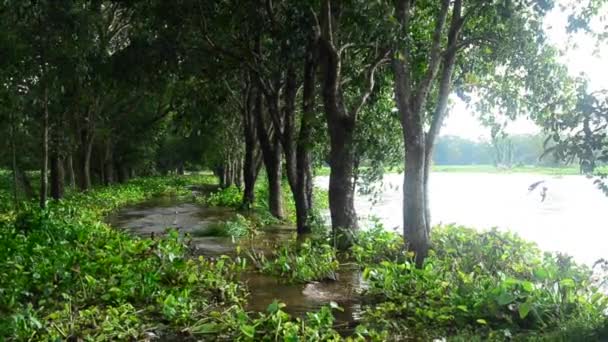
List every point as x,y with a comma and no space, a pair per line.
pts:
70,170
341,122
108,163
411,98
415,226
341,126
341,182
57,176
14,161
85,151
250,169
273,173
271,152
45,151
303,191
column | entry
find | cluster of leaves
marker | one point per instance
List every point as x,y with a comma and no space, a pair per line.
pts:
301,262
64,274
490,284
238,227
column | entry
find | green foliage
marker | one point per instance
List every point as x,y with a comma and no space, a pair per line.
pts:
492,284
301,262
236,228
231,197
376,244
64,274
275,324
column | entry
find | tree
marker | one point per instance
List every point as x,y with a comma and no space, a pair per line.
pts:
341,107
428,61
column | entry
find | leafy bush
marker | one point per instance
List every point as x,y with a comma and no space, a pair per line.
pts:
376,244
236,228
228,197
301,261
64,274
491,283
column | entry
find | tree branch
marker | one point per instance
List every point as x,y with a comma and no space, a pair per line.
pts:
434,57
380,59
445,83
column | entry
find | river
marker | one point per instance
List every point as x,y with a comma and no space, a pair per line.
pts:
571,219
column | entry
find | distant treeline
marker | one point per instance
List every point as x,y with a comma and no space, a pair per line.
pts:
523,149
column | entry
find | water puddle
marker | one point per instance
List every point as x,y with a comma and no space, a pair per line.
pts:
153,217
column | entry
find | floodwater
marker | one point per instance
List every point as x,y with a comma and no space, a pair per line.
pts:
153,217
570,220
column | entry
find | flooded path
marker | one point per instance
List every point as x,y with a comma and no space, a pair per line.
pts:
153,217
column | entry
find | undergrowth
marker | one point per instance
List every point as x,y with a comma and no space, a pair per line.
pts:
492,284
65,275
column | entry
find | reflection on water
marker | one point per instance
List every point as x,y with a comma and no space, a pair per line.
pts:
570,220
153,217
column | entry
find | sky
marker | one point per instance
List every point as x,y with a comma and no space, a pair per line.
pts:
579,59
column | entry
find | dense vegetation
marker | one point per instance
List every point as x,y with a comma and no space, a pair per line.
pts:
108,103
67,274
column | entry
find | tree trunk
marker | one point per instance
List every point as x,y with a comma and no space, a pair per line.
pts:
414,206
14,161
252,161
85,152
250,172
271,152
303,191
45,151
108,164
273,173
70,171
341,182
341,126
57,176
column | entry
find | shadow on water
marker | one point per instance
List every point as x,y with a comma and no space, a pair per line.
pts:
153,217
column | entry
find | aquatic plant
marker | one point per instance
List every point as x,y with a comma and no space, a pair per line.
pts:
301,262
492,284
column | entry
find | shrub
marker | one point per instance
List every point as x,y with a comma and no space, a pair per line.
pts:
490,283
301,262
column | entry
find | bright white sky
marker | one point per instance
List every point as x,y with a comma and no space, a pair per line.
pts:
579,59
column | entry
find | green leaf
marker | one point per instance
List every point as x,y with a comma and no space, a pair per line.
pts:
482,321
275,306
248,330
541,273
505,298
463,308
567,282
207,328
524,309
527,286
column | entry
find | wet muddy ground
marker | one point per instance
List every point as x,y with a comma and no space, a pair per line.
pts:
153,217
